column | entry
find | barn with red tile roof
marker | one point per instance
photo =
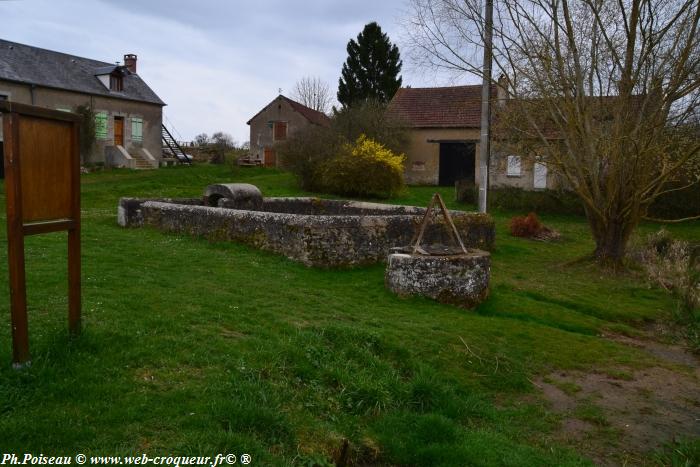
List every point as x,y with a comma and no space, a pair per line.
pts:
444,135
444,127
277,121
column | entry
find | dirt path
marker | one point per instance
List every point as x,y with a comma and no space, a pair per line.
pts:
617,417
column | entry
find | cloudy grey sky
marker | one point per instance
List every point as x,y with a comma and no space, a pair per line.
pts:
215,63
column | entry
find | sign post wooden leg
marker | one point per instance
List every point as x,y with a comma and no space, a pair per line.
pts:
18,299
74,281
74,239
15,245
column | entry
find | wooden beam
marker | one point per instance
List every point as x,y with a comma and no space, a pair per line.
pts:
74,283
59,225
15,243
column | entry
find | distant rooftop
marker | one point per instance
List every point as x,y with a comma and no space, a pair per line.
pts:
446,107
314,116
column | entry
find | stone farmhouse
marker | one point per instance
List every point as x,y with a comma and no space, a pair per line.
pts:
128,114
275,122
444,125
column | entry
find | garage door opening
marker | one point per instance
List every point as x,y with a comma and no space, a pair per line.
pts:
457,160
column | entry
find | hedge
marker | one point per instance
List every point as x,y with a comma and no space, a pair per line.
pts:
673,205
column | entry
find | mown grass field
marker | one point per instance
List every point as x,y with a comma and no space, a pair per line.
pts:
193,347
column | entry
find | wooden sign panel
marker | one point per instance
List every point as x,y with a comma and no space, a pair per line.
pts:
45,148
42,183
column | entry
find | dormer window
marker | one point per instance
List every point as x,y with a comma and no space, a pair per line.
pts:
116,83
112,77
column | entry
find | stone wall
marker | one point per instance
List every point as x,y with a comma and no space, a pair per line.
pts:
348,233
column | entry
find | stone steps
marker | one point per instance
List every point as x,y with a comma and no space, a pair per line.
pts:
140,163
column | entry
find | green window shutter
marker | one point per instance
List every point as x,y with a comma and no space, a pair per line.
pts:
101,125
136,129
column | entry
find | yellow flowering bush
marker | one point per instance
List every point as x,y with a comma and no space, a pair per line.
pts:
365,168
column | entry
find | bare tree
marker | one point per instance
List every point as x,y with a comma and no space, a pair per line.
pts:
605,93
313,92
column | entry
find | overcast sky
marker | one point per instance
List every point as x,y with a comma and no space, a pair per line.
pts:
215,63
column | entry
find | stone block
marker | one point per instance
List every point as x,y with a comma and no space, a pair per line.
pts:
234,196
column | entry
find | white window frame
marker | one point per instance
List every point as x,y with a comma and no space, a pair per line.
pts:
513,162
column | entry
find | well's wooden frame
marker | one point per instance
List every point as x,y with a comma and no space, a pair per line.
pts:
18,227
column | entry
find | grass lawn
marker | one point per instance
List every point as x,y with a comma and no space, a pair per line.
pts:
198,348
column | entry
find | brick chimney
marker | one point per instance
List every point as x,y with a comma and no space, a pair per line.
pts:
130,62
502,89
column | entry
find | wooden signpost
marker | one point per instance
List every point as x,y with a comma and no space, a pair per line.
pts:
42,183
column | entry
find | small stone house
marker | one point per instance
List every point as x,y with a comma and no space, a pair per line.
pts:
445,125
277,121
128,114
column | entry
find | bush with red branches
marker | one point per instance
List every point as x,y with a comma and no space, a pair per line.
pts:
530,227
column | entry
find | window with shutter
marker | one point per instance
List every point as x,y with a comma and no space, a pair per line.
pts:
539,181
137,129
280,131
101,125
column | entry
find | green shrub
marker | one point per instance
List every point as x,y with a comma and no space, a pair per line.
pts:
305,152
365,169
87,131
677,204
671,205
542,201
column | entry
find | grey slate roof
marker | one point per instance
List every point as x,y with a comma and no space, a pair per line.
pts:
27,64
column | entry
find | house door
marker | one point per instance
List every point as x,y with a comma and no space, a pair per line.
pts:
457,162
270,158
118,131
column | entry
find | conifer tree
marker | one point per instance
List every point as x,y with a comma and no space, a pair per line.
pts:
372,68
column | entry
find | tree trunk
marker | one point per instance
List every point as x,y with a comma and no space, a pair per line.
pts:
611,238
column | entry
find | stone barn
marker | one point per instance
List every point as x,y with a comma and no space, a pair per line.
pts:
275,122
444,125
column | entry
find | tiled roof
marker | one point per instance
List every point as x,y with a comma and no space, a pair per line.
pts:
447,107
32,65
313,116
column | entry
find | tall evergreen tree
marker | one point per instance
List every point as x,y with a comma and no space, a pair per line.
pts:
372,68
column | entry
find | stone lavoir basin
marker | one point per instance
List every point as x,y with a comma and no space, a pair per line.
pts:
313,231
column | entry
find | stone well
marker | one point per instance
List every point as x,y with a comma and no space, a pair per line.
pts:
460,279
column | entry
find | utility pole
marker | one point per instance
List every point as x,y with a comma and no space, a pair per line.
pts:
485,137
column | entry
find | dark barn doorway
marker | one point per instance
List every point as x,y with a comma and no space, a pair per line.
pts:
2,162
457,161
